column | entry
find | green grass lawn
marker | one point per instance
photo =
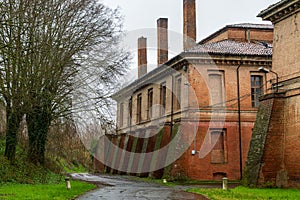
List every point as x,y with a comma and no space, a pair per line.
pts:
44,191
243,193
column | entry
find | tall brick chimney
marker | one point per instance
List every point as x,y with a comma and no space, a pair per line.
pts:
162,40
189,24
142,56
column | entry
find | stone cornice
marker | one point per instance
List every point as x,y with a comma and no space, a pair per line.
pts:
188,59
232,60
280,11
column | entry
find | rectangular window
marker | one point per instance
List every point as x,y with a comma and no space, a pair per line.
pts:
121,114
256,89
216,88
150,103
139,108
219,150
130,111
163,98
177,96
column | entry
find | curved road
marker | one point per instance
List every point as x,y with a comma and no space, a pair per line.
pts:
121,188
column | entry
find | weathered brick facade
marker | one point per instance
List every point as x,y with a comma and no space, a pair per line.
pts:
201,120
278,160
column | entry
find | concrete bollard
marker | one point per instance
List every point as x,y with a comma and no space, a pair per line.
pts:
68,183
225,183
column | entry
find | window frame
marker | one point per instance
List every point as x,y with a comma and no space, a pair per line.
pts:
220,73
139,108
178,92
121,115
150,104
130,111
163,98
253,89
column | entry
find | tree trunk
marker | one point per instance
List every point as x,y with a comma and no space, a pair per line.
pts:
38,122
12,128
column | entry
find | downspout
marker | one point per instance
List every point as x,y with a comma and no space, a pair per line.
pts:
239,119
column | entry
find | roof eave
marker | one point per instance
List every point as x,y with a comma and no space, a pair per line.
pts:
278,10
158,70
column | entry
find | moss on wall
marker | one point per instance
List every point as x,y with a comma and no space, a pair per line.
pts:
260,130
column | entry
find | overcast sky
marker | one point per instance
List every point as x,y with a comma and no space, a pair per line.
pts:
140,19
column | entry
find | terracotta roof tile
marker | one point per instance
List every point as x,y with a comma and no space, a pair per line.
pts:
231,47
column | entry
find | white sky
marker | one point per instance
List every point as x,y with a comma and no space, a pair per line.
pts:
140,19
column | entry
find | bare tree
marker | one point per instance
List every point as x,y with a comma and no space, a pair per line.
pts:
57,57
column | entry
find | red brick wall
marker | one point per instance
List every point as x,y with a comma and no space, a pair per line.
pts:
137,157
199,166
273,150
281,161
241,35
118,156
150,148
292,141
162,155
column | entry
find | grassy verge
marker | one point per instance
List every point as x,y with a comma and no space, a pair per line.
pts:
71,167
248,193
23,180
43,191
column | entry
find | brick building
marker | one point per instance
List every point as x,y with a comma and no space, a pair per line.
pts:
274,156
198,108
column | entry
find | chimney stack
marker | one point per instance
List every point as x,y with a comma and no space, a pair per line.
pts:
189,24
162,40
142,56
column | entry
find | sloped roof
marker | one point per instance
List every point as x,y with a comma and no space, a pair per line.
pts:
225,47
238,26
232,47
250,25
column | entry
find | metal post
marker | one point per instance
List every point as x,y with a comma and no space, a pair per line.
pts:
225,183
68,183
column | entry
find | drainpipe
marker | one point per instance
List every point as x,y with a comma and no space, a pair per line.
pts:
239,119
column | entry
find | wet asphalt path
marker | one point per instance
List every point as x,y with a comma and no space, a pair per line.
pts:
122,188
